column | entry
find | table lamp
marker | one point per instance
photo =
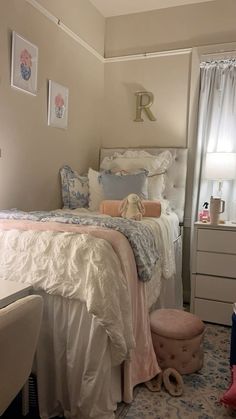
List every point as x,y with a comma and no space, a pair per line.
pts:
220,167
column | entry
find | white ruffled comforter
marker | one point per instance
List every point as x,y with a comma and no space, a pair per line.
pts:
77,266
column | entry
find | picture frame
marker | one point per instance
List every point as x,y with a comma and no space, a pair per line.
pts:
57,105
24,64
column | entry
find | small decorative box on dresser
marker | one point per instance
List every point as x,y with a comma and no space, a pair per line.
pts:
213,279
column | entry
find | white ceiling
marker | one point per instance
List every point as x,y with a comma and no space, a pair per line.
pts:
123,7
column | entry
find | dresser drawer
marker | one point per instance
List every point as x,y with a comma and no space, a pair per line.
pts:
216,264
214,288
216,241
213,311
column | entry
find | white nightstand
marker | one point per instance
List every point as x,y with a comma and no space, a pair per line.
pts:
213,279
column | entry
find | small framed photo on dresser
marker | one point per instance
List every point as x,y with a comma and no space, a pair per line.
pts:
24,64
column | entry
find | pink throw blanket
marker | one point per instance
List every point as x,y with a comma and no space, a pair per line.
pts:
142,365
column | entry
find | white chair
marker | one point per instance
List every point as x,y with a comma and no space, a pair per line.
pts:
19,331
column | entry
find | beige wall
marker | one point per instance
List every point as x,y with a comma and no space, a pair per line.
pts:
33,152
168,79
81,17
172,28
174,81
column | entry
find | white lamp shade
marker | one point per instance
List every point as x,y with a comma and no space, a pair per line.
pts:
220,166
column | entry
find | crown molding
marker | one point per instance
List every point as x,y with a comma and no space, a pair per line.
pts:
58,22
147,55
65,28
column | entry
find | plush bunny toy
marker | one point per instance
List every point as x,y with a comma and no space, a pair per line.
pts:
132,207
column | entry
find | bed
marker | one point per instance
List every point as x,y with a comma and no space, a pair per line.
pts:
95,342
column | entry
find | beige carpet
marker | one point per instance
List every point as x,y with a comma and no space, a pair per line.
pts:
202,389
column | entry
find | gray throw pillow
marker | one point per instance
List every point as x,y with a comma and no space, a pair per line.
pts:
117,186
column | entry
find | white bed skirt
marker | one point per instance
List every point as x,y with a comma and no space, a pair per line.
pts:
73,363
171,295
75,377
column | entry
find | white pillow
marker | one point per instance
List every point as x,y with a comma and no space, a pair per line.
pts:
156,186
138,159
96,194
165,206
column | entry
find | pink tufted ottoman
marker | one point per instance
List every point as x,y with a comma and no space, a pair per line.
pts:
177,339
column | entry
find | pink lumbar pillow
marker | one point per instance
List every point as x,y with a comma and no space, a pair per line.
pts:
152,208
112,208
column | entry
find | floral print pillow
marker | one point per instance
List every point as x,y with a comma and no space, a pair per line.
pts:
75,188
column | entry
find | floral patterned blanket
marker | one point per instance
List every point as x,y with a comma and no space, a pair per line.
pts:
140,235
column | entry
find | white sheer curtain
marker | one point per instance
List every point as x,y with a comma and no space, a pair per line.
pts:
216,128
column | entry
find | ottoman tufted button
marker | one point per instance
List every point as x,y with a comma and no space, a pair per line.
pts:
180,334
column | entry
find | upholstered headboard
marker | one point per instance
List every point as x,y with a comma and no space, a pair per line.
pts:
175,176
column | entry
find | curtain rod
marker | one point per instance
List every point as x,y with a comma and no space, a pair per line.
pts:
100,57
218,56
219,61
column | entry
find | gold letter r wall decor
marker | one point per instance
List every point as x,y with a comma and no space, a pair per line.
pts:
144,105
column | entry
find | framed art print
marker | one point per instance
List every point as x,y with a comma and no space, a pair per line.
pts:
57,105
24,64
